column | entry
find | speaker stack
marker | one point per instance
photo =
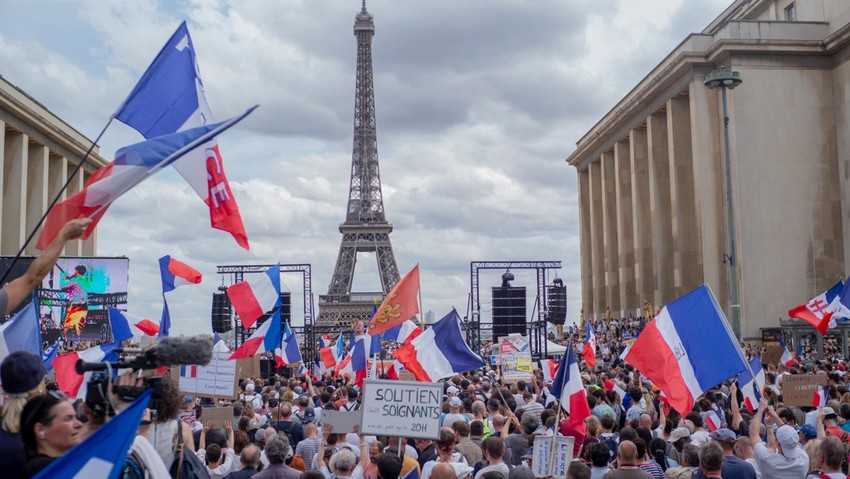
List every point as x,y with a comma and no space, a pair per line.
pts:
220,316
508,311
556,302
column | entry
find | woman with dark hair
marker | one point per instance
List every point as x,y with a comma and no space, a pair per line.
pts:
657,451
163,433
49,428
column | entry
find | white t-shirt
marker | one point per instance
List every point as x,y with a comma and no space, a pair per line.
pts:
429,466
777,466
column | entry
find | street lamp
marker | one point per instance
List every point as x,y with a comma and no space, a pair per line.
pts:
726,80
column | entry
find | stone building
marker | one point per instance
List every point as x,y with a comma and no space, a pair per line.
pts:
38,152
651,172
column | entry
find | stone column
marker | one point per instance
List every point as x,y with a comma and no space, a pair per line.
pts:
687,274
36,191
14,192
625,227
89,246
596,239
659,206
609,233
73,248
57,175
586,239
642,217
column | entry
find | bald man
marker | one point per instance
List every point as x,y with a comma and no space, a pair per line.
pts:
627,463
443,470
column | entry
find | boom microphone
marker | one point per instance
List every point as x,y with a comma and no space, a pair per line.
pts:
167,352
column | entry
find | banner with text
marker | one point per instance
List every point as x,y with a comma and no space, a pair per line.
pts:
546,462
401,408
515,358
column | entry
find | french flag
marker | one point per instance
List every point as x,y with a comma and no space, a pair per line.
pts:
170,97
325,341
404,332
820,397
687,349
589,350
786,358
257,296
549,368
49,355
176,273
439,352
71,383
265,339
188,371
289,353
751,382
132,165
21,332
818,311
569,390
712,421
219,346
127,326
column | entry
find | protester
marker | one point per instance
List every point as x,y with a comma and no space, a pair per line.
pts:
494,450
219,460
163,432
249,461
789,461
711,461
22,376
830,454
445,454
626,463
49,428
577,470
278,451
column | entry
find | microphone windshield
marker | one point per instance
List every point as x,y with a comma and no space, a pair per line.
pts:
175,351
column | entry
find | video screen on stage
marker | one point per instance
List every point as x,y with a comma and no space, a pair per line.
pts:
75,295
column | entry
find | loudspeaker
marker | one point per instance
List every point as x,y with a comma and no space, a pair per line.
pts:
220,316
508,311
267,368
285,310
556,303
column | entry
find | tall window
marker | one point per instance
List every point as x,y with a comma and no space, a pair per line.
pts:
791,12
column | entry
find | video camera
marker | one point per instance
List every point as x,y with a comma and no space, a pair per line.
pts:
166,352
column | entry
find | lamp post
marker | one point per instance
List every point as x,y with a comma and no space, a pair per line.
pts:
726,80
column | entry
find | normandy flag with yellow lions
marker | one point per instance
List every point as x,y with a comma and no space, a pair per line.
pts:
400,304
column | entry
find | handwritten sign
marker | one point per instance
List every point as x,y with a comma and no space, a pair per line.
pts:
544,464
401,408
218,415
515,358
799,389
341,421
218,378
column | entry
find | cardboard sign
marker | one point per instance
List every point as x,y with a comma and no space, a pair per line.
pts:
772,355
544,463
342,422
406,375
218,415
515,358
401,408
219,378
799,389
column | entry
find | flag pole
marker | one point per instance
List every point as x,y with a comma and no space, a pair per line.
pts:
421,308
55,200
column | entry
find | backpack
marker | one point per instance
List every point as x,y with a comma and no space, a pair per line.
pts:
186,464
351,408
133,468
288,432
611,442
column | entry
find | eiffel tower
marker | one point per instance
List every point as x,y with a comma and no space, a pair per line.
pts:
365,228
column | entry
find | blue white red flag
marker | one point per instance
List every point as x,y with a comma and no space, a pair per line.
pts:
104,452
786,358
70,382
49,355
549,368
568,388
174,274
439,352
589,350
290,352
127,326
404,332
132,165
687,348
325,341
751,382
266,338
21,332
170,97
712,421
219,346
820,397
257,296
819,310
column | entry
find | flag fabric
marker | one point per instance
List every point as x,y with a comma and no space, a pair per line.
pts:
404,332
126,325
399,305
750,382
256,296
549,368
170,97
132,165
267,337
712,421
786,357
176,273
325,341
820,397
73,384
439,352
589,350
21,332
819,310
687,349
219,346
328,357
188,371
104,452
49,355
289,352
569,390
355,361
339,348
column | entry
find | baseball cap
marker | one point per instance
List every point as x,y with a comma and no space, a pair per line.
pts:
309,414
451,391
455,402
789,440
679,433
723,434
249,387
808,430
21,371
828,411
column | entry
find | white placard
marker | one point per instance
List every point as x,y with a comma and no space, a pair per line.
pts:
563,456
218,378
342,422
544,464
401,408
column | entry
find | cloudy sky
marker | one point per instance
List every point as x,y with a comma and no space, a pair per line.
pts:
478,103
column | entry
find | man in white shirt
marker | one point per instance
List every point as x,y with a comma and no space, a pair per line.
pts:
789,461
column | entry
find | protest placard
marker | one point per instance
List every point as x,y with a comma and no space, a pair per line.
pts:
401,408
799,389
218,378
544,464
772,354
342,422
217,415
515,358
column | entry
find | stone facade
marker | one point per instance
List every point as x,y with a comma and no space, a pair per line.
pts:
651,174
38,152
